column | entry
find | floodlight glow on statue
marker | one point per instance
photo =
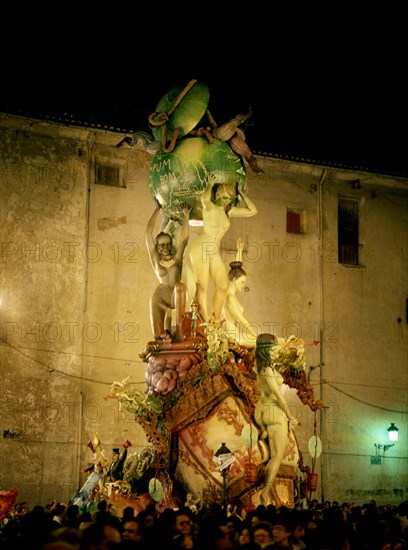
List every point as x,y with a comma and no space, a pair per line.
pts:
197,177
237,326
205,173
219,202
170,294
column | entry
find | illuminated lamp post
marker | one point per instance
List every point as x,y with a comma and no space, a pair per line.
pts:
224,459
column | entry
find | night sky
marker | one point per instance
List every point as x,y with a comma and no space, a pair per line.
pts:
332,99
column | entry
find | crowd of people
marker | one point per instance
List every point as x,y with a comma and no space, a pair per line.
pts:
327,526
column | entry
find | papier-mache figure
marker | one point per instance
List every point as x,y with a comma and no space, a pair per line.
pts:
98,469
272,412
237,326
220,202
167,264
115,470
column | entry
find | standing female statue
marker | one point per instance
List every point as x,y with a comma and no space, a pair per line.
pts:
272,413
236,325
220,202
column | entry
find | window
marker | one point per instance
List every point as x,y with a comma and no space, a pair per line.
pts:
294,221
348,232
108,174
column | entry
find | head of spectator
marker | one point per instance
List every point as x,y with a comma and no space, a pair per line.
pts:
58,545
282,533
184,534
132,530
66,534
102,535
58,514
299,531
231,528
71,515
127,513
244,536
262,533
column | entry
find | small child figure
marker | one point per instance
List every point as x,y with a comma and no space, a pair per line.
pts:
191,503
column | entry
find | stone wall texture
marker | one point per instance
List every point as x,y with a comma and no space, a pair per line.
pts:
76,282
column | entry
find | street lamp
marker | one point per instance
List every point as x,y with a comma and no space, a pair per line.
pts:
224,458
392,436
393,433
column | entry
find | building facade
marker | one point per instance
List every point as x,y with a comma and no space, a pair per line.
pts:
326,259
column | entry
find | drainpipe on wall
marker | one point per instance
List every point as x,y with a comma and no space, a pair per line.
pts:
84,304
87,217
321,331
79,440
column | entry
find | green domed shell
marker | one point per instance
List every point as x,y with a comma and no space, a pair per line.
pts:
187,114
182,175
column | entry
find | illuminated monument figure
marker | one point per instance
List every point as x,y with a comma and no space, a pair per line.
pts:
237,326
167,263
204,379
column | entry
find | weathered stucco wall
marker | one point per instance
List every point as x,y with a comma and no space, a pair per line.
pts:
76,282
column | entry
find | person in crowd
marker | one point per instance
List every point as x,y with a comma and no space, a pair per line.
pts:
65,535
272,412
132,529
30,529
58,516
184,533
256,514
262,534
220,202
381,529
229,531
71,516
103,534
171,293
59,545
244,536
164,526
84,519
299,532
282,536
148,519
128,513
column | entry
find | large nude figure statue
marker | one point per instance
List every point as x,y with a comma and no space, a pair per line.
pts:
170,294
220,202
272,413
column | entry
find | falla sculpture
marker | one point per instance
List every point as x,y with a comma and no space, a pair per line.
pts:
197,367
